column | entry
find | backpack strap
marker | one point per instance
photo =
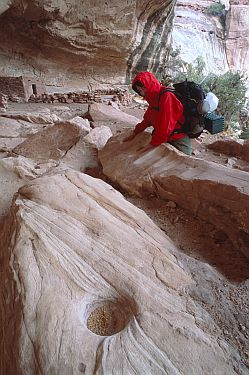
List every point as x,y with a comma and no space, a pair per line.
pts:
160,95
175,131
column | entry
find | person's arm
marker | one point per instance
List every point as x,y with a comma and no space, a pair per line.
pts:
171,111
140,127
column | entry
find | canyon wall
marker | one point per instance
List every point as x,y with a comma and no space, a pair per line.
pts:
71,41
197,34
222,41
237,44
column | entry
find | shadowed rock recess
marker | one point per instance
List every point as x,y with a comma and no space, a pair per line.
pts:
73,41
61,241
77,44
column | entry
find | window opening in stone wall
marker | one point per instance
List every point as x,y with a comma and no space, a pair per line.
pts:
34,89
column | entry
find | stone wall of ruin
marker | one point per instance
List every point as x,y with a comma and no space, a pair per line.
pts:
12,87
121,96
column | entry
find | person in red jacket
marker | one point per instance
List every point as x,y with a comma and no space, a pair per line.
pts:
165,114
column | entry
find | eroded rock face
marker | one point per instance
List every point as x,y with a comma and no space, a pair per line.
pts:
92,287
76,42
222,41
3,103
218,194
238,35
198,34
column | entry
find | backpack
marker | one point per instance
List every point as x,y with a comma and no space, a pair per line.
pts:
191,95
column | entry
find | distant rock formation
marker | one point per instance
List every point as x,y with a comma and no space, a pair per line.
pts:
237,43
222,41
199,34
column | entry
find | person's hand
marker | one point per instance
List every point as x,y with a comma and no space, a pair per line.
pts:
130,137
146,148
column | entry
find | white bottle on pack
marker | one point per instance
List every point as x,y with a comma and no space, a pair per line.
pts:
210,103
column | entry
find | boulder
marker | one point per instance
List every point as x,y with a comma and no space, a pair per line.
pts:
84,154
83,123
88,284
99,136
14,172
42,117
7,144
100,113
231,147
213,192
13,128
81,156
10,128
53,142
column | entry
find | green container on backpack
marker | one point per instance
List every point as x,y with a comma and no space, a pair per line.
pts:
214,123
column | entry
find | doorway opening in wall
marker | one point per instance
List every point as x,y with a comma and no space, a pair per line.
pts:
34,89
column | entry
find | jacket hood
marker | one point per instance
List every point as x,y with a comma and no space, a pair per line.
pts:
152,85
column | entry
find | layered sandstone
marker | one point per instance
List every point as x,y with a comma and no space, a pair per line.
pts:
221,40
239,149
73,43
87,45
89,285
199,34
237,44
213,192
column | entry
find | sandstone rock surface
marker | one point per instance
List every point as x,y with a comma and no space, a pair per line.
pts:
42,117
99,113
55,141
40,146
99,136
72,42
238,149
10,181
3,103
238,35
221,41
14,131
214,192
67,43
84,155
88,285
205,32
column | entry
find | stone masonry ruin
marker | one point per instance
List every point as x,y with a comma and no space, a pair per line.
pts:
118,95
33,90
21,88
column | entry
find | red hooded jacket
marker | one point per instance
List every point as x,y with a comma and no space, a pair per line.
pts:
170,113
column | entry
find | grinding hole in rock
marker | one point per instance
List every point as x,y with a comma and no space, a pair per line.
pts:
109,317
